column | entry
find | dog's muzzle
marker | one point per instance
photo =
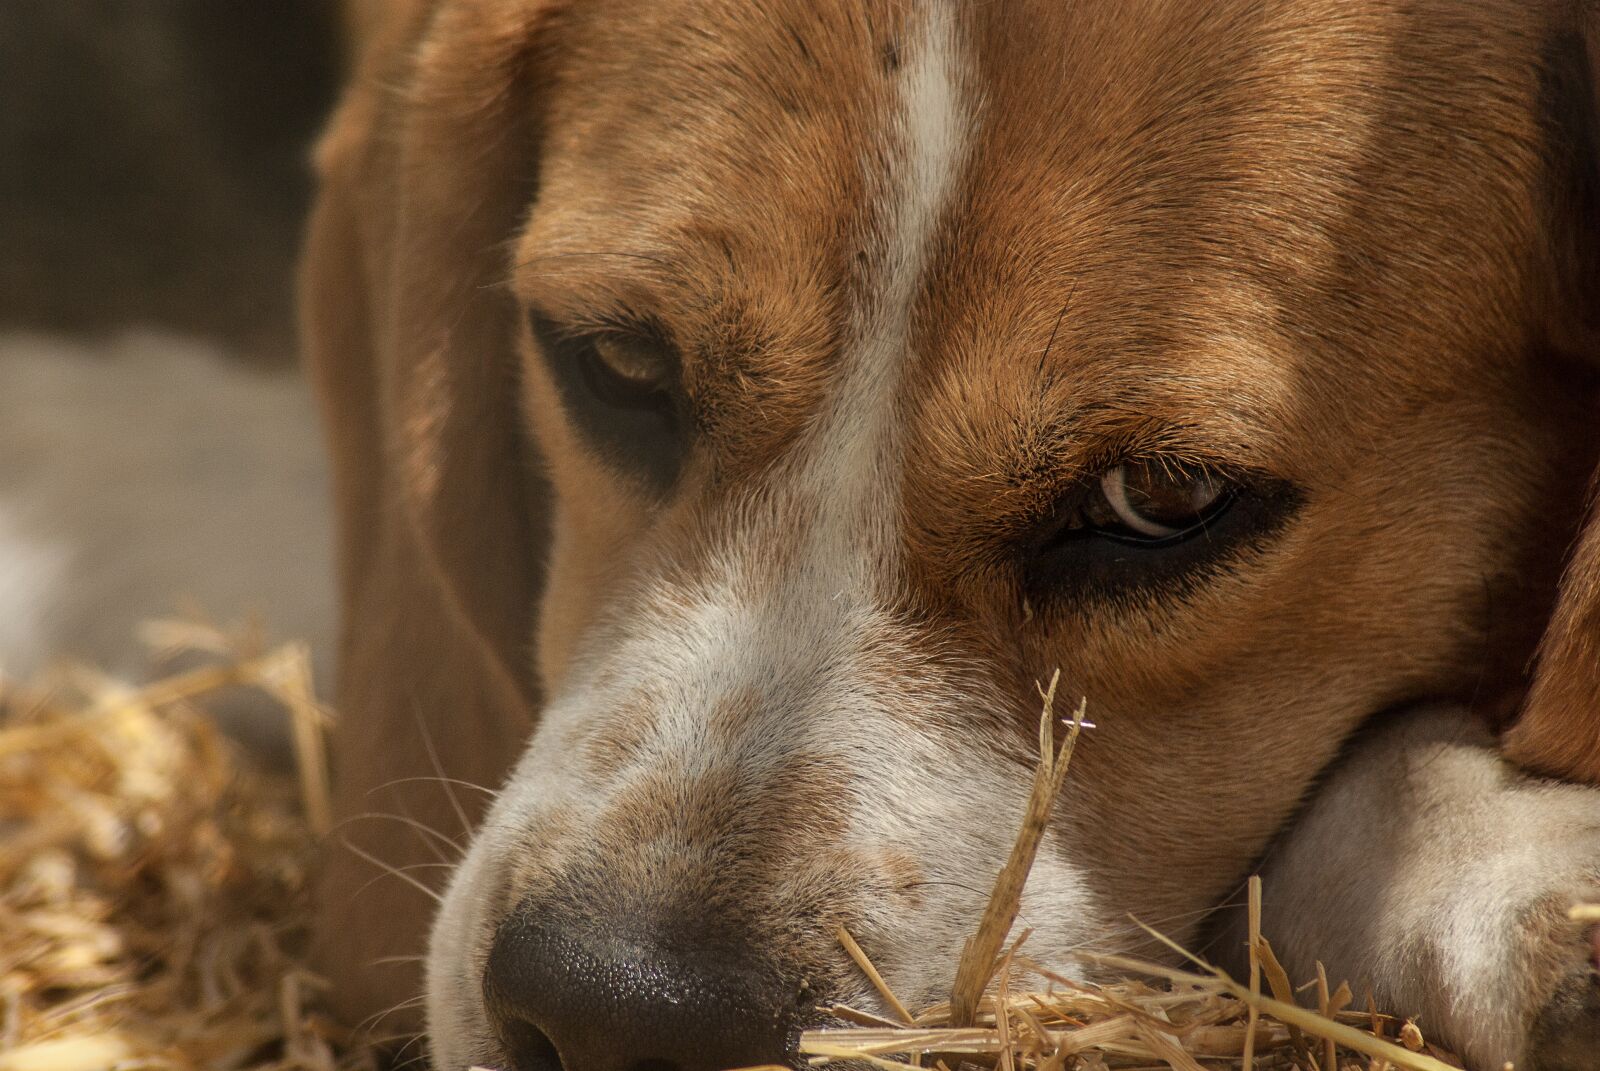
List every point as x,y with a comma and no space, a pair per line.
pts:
572,992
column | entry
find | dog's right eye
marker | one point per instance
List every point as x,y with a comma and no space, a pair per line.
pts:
626,372
622,388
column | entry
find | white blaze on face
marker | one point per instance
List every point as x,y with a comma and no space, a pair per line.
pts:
814,638
853,464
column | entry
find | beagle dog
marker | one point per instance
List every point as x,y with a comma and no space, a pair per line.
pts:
738,409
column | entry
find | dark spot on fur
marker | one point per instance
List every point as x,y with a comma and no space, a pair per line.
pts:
889,55
804,49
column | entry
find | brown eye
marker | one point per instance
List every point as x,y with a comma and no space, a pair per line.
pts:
621,389
628,372
1155,500
1153,525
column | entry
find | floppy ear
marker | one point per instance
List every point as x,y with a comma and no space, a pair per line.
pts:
1558,732
425,173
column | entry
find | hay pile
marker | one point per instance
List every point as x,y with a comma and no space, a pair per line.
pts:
152,884
1180,1020
153,915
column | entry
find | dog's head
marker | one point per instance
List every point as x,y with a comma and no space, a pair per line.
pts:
782,392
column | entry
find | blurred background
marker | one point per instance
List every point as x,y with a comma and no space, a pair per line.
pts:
158,448
152,161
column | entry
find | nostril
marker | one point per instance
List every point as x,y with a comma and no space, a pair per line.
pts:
528,1047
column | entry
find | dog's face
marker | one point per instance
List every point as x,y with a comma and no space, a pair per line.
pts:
885,358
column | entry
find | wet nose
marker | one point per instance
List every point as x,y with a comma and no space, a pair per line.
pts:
580,995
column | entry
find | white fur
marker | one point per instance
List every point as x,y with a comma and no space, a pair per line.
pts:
840,678
145,470
1422,868
853,464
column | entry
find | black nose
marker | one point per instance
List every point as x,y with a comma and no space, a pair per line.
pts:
596,997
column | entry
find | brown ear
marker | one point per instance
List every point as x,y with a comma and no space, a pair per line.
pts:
409,336
1558,732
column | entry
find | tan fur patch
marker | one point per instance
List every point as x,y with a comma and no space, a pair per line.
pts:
929,269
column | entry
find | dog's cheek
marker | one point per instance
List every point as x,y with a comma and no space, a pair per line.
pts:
575,579
562,609
942,841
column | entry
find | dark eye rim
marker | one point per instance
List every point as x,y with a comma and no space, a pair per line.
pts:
1237,486
1100,565
645,438
1210,515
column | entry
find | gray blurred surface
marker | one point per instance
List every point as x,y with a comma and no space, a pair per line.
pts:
158,447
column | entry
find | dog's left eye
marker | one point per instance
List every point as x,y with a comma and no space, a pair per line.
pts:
1154,502
627,372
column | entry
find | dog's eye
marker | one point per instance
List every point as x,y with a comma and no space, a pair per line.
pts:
1149,526
1154,501
621,389
627,372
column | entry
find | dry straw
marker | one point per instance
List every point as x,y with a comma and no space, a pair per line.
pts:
1159,1017
152,883
153,915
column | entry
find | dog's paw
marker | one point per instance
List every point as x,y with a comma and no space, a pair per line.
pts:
1565,1034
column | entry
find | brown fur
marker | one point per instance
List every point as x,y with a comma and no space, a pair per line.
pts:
1315,239
426,654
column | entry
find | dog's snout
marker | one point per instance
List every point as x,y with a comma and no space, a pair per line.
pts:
567,994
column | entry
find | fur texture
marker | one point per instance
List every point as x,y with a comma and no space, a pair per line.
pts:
1443,862
928,267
